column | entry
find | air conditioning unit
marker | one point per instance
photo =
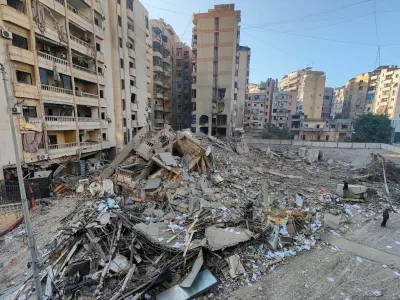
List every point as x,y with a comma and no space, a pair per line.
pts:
16,110
46,48
129,45
43,156
6,34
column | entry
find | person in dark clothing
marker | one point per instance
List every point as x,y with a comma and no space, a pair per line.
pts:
345,189
385,217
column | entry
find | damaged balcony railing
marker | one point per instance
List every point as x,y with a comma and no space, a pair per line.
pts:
76,11
62,146
60,118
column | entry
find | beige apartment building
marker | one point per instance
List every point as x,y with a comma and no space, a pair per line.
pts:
310,87
58,74
355,92
387,93
129,24
215,61
163,41
243,81
337,102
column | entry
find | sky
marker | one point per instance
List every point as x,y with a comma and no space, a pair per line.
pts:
339,37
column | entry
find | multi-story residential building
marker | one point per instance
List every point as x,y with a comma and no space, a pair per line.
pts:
255,111
243,81
129,23
253,88
268,88
310,94
387,94
355,91
55,54
164,37
310,86
216,66
337,102
372,88
283,107
327,103
182,87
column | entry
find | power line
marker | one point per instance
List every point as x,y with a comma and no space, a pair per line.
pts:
378,53
311,15
169,10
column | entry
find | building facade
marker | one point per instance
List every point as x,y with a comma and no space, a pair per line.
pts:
337,102
355,92
243,81
254,111
283,107
129,24
163,41
387,94
55,55
216,36
268,87
327,103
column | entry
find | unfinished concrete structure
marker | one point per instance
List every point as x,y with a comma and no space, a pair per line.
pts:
216,67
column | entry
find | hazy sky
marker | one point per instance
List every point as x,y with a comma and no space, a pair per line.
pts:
335,36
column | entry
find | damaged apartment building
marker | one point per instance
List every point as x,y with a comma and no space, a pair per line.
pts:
59,69
216,76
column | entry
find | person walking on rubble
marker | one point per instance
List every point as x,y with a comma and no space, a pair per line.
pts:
385,216
345,189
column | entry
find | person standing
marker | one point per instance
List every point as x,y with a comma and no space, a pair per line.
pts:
385,216
345,189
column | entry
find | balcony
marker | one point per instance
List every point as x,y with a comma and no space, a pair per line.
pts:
23,90
57,5
82,46
56,94
87,99
157,68
79,18
167,73
159,121
84,73
386,81
51,32
131,53
166,97
100,56
20,55
14,16
104,124
132,72
47,61
134,123
158,95
159,108
168,60
148,79
134,107
90,146
88,123
158,82
130,14
103,102
158,53
166,121
167,109
102,79
36,121
167,86
134,90
99,32
57,150
60,123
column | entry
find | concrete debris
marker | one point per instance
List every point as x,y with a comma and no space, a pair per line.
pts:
242,147
354,191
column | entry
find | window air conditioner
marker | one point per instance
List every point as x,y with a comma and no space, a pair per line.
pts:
6,34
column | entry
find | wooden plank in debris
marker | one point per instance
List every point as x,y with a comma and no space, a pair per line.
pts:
95,244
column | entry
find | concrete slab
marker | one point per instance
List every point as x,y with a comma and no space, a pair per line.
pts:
355,191
366,252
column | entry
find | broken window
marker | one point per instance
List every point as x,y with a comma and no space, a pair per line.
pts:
24,77
29,111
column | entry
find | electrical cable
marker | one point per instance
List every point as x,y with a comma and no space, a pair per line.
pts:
378,53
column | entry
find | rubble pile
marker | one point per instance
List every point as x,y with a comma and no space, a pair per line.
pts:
176,212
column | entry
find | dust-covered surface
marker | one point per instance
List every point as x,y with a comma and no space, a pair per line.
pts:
315,272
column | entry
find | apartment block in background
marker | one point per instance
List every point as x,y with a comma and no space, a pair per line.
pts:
337,102
182,87
243,81
355,92
387,93
56,54
216,67
327,103
254,112
283,107
268,87
310,86
129,24
163,40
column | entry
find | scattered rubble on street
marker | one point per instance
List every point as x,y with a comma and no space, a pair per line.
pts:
177,213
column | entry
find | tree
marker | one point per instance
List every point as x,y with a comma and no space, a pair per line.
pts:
273,132
370,128
338,116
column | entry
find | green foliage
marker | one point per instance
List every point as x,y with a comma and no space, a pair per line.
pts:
338,116
347,139
370,128
273,132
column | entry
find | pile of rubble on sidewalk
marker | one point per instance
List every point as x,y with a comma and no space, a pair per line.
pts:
176,213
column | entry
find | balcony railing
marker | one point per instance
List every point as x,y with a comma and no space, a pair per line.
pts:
79,41
87,144
53,58
62,146
89,95
84,69
56,89
59,119
75,10
87,119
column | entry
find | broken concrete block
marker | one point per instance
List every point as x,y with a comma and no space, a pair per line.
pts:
152,183
235,266
299,200
273,238
119,264
268,199
216,179
80,189
219,238
302,152
168,159
314,155
332,221
354,191
242,147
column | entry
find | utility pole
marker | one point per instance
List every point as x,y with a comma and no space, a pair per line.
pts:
24,200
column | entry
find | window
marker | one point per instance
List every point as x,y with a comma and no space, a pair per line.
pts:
119,21
119,2
122,84
267,92
179,86
129,4
104,136
193,93
29,111
20,41
255,104
101,92
123,104
96,22
132,83
121,62
124,122
217,24
133,98
100,70
146,20
235,97
52,139
131,26
24,77
120,42
262,105
216,39
131,66
98,47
